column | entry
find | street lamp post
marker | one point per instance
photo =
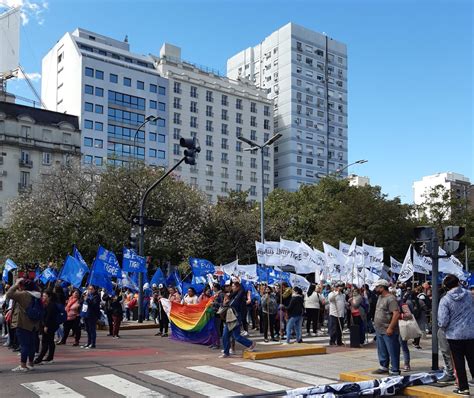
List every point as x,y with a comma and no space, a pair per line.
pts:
255,147
149,118
338,172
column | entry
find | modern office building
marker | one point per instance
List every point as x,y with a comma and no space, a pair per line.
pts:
305,73
32,142
458,185
217,110
112,91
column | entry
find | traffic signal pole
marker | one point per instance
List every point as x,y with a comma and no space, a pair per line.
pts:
141,223
435,302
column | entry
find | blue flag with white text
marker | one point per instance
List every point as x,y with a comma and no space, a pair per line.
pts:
107,262
78,256
127,282
9,266
132,262
48,275
100,277
73,271
201,267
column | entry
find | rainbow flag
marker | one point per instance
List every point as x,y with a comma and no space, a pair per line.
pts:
192,323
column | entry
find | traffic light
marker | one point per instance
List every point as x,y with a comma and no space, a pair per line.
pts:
423,240
192,147
133,239
452,235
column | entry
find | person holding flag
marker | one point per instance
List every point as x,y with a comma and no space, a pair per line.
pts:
91,313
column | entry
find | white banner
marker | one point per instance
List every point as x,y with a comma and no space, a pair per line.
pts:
335,261
260,247
373,256
272,253
407,268
298,280
231,268
395,266
307,262
422,264
289,252
248,272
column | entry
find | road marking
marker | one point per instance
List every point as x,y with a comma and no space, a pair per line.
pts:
123,386
51,388
239,378
286,373
188,383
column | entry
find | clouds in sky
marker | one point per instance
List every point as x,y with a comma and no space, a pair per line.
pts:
30,10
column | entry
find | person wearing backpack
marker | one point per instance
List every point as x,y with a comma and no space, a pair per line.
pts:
49,327
26,316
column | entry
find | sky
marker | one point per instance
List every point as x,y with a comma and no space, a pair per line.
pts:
410,65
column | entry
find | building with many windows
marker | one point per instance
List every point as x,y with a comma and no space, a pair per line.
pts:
113,91
305,73
32,142
217,110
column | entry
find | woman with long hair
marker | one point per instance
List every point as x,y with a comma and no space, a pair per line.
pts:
73,322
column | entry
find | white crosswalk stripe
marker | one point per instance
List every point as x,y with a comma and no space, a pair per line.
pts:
51,389
123,387
285,373
239,378
197,386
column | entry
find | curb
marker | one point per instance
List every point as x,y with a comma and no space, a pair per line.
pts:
285,352
414,391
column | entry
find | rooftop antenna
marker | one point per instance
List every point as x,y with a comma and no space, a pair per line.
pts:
126,39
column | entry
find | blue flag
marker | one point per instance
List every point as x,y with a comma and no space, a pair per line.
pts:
201,267
100,277
158,278
78,256
275,276
223,279
134,277
106,261
48,275
127,283
37,273
262,273
198,279
132,262
198,287
173,279
9,266
73,271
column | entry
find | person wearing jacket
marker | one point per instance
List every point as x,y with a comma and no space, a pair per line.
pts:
312,304
295,312
269,309
116,312
91,311
456,318
359,316
49,327
421,317
337,306
22,292
73,309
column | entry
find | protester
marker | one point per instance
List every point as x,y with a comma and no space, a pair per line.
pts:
233,305
73,322
312,305
49,325
406,313
27,303
174,295
269,310
91,313
387,313
420,312
116,312
295,312
337,306
163,317
358,313
218,295
456,318
190,297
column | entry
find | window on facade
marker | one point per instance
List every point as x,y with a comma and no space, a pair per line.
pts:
140,85
209,125
88,124
253,121
224,100
238,103
152,152
89,72
177,88
89,107
253,107
162,90
99,74
253,135
153,88
99,109
99,92
153,104
238,146
98,161
89,89
238,118
98,143
88,142
176,103
193,122
209,96
113,78
127,81
193,92
99,126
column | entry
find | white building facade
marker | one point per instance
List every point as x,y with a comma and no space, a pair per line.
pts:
32,142
358,181
112,91
305,73
217,110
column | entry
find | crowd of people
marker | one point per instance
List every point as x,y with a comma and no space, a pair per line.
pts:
279,312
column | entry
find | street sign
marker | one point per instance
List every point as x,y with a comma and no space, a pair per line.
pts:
153,222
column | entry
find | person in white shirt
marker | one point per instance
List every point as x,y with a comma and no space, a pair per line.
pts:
312,305
190,297
337,307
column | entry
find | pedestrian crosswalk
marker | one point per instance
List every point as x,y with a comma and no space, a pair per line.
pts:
232,379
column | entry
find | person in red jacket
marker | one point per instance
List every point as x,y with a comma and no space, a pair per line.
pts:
73,322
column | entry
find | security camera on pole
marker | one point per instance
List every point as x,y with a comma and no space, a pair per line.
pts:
192,148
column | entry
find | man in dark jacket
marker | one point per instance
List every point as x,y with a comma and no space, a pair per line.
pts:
295,312
91,308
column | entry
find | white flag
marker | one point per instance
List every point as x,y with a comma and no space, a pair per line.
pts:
289,252
335,261
395,266
373,256
422,264
407,268
344,247
301,282
260,247
450,265
231,268
272,253
307,261
247,272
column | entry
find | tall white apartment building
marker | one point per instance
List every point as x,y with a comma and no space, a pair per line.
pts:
305,73
457,184
217,110
112,91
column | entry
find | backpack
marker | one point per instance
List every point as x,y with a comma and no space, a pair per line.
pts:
35,310
61,314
